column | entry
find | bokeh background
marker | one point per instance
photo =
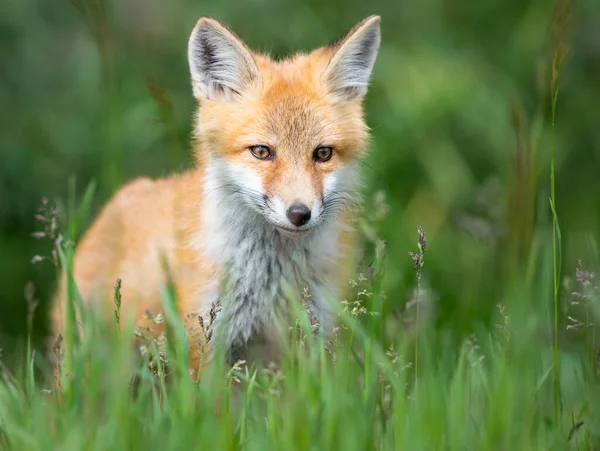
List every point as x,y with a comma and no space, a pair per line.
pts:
459,107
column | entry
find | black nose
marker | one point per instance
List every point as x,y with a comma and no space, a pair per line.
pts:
298,214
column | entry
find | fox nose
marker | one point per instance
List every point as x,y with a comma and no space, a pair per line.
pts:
298,214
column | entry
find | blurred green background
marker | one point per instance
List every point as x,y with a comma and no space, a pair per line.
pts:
459,108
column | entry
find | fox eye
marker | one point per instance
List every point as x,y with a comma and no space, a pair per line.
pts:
261,152
323,154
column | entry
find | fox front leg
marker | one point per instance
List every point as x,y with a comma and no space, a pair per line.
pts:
242,325
236,327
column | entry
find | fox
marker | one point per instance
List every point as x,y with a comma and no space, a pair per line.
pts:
270,204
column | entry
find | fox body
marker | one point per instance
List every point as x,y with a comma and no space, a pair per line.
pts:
269,203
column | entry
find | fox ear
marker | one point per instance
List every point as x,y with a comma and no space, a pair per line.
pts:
220,63
349,69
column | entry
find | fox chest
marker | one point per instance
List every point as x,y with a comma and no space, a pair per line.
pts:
262,265
258,266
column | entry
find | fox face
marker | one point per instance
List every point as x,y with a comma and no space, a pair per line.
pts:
282,138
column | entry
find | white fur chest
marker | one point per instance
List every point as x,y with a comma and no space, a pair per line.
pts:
256,261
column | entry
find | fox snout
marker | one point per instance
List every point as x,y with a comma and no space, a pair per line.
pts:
295,214
298,214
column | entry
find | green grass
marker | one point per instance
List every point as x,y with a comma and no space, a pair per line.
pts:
489,390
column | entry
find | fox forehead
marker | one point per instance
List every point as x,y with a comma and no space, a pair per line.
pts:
287,110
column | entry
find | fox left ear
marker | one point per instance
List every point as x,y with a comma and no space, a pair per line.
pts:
350,67
220,63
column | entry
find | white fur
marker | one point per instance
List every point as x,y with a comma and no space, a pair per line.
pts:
279,209
257,260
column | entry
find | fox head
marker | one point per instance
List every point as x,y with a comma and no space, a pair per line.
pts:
282,137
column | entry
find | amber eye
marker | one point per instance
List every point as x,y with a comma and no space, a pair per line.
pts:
323,154
261,152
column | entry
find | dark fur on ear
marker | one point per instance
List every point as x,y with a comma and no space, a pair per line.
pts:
220,63
350,67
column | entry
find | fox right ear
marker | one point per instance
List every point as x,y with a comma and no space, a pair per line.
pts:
220,63
349,69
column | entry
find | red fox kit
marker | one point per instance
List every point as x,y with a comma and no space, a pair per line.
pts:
269,203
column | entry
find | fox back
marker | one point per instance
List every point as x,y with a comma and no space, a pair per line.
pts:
269,205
